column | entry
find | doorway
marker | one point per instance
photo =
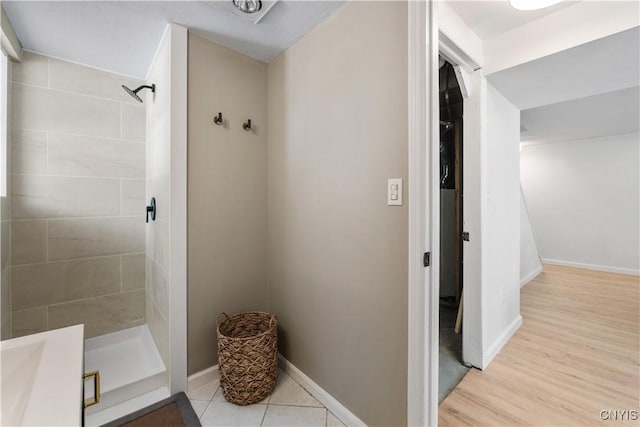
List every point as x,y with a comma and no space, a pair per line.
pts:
451,367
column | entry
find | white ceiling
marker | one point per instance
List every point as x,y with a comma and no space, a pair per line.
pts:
122,36
493,17
605,65
612,113
589,91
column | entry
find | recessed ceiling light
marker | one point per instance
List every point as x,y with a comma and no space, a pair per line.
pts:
248,6
531,4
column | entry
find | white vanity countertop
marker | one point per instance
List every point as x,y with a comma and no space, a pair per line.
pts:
42,378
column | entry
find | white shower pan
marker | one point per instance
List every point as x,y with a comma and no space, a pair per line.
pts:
130,367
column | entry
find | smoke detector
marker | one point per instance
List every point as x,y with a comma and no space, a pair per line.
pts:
248,6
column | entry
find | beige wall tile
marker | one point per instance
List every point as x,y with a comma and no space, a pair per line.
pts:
133,196
32,70
25,322
44,109
159,186
134,122
158,286
76,78
70,161
5,207
158,242
159,330
158,149
5,242
100,315
133,272
34,285
55,197
5,304
28,241
75,155
158,146
86,237
28,151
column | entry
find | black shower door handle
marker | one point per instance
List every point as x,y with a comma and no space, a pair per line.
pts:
151,209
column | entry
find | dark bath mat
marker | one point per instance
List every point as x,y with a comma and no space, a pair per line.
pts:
174,411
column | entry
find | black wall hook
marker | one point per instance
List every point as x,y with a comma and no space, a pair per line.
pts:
247,125
151,209
218,119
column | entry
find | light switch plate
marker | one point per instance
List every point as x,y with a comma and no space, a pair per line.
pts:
394,192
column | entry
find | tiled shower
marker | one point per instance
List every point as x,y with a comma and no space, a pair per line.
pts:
83,160
77,199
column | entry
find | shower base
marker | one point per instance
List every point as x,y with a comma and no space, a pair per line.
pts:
131,373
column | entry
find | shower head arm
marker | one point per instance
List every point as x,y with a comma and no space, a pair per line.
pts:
152,87
134,92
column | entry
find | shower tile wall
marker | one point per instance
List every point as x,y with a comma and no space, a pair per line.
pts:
158,265
5,273
5,237
78,198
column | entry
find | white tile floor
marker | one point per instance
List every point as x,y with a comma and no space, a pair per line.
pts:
289,405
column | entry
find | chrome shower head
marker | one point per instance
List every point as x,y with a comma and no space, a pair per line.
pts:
134,92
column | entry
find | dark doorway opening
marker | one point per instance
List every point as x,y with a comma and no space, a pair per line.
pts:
451,369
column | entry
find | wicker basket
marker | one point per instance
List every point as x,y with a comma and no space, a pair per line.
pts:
247,356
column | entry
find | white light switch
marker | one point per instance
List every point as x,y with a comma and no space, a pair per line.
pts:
394,192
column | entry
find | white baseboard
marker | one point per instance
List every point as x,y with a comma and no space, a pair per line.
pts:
504,337
335,407
606,268
203,377
529,277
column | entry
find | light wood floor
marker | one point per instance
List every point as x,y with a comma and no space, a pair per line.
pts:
577,353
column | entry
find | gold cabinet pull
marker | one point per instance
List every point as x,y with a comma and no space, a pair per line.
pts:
96,388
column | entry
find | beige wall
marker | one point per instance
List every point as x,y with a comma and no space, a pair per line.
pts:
337,253
337,272
78,169
227,192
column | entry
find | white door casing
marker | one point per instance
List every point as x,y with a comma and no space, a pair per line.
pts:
424,208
